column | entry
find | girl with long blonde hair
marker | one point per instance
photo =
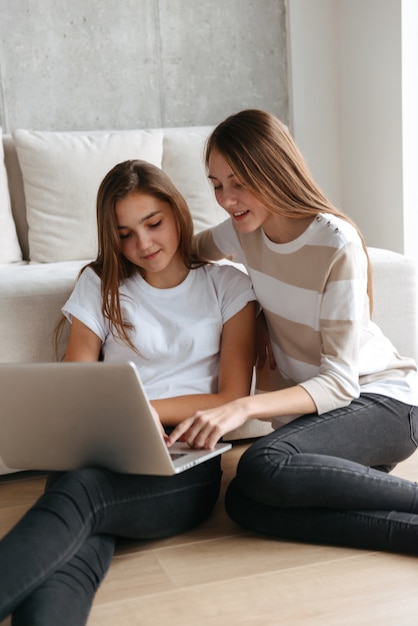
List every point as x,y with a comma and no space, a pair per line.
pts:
342,401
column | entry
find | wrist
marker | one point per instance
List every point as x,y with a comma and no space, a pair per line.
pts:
258,406
245,406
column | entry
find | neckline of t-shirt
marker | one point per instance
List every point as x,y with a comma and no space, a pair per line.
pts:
169,291
295,244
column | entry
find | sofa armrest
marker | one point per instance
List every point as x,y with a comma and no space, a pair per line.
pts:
395,299
31,297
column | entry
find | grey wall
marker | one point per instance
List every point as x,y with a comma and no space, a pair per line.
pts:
102,64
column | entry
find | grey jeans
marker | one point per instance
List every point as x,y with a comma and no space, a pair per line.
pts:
54,559
324,479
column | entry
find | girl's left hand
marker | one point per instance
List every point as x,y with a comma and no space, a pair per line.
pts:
205,428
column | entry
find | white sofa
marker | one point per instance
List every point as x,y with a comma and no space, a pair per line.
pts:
48,184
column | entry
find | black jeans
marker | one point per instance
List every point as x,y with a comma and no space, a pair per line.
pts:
53,560
323,479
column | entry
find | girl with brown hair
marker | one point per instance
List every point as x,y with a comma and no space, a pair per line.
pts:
188,326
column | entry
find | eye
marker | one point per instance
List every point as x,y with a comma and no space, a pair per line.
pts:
214,183
126,236
155,224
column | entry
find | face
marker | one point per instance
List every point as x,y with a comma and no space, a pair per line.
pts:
241,204
149,238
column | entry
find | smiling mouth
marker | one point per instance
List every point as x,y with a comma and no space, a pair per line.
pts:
148,257
239,214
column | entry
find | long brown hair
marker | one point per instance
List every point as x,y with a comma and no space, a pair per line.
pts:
264,157
110,265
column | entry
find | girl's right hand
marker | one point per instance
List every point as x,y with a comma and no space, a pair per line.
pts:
205,428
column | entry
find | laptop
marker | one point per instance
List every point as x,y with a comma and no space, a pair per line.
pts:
64,416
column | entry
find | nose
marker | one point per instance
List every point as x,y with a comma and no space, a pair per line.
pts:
227,198
142,240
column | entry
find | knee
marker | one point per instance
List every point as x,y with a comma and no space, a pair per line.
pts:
263,458
251,469
260,469
80,491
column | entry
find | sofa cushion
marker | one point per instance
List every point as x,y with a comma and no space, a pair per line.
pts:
61,175
9,245
183,162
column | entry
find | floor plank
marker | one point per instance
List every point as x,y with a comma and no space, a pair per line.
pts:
219,574
353,590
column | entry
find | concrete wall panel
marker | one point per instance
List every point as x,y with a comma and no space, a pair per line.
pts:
91,64
220,57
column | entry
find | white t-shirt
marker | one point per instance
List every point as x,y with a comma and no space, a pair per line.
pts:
177,330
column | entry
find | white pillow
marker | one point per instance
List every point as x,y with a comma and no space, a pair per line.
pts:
183,162
61,175
10,251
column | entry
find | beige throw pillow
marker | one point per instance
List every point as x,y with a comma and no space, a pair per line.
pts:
183,161
61,175
9,245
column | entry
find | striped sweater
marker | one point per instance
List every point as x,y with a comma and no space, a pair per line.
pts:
313,291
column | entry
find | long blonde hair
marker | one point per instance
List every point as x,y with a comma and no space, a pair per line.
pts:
264,157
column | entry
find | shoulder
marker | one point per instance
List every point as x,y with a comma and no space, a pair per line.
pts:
226,271
227,285
88,284
222,233
335,231
230,283
346,256
87,290
88,276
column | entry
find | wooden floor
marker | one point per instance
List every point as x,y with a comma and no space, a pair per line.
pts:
219,575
